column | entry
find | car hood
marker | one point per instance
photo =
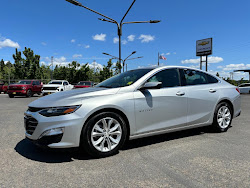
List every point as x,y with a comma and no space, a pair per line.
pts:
72,97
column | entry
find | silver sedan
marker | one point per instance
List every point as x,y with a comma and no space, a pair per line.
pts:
134,104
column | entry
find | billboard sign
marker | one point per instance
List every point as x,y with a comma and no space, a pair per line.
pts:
204,47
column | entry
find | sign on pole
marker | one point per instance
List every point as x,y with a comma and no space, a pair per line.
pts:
204,47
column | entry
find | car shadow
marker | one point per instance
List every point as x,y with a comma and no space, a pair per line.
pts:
30,151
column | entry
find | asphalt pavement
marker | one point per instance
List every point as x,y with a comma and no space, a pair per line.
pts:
192,158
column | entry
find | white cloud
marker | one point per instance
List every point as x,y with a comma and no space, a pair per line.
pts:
131,38
77,55
231,67
174,53
211,59
146,38
96,66
87,46
124,42
115,40
8,43
168,53
73,41
44,43
101,37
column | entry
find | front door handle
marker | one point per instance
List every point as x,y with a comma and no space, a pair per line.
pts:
180,93
212,90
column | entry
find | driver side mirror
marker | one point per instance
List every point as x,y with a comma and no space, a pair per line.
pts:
151,85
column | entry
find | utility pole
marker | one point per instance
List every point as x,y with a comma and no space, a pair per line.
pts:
52,58
158,59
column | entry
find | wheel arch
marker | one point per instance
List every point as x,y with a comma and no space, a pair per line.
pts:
109,109
229,103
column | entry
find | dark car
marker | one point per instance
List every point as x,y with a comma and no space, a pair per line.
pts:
25,88
84,84
3,88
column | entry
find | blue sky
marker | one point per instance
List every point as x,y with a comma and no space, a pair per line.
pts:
60,29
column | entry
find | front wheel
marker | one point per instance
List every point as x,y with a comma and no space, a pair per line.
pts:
11,96
29,93
104,134
222,117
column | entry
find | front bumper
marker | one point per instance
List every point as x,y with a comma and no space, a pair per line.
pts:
69,137
47,140
17,92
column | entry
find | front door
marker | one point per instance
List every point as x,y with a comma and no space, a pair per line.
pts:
164,108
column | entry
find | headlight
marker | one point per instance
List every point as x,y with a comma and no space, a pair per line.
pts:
58,111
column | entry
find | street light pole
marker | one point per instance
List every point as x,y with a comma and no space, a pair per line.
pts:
119,25
126,59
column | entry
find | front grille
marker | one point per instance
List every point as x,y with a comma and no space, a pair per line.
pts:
49,88
30,124
15,88
33,109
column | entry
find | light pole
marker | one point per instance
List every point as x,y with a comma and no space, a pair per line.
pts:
126,59
131,59
119,25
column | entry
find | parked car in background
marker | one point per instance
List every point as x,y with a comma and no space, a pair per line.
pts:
25,88
55,86
3,88
133,104
84,84
244,88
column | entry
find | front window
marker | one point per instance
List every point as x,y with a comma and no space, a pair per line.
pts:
168,78
24,82
54,82
124,79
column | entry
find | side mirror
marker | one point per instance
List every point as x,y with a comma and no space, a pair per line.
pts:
151,85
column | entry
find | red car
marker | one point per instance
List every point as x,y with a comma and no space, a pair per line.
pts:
3,88
84,84
25,88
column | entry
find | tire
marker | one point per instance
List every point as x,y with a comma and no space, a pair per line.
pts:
11,96
29,93
222,117
97,141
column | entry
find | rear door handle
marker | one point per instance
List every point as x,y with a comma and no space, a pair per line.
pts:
180,93
212,90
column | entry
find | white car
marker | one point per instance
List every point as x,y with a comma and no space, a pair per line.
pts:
244,88
55,86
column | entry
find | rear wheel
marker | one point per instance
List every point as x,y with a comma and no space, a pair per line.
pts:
222,117
11,96
104,134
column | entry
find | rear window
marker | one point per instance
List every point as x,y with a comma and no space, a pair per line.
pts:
84,83
211,79
244,85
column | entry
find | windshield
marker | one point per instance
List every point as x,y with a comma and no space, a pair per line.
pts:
58,83
124,79
84,83
24,82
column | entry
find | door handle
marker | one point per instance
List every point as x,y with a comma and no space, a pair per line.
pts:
212,90
179,93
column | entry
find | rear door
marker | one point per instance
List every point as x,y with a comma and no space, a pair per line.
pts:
164,108
203,93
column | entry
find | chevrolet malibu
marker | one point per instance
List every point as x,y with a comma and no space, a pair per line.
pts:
134,104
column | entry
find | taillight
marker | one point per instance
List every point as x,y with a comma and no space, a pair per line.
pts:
237,89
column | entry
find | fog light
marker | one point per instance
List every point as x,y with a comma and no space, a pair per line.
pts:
52,132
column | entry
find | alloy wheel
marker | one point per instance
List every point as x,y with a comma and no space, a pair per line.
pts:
106,134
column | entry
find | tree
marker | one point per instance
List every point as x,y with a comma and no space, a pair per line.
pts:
19,68
217,74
